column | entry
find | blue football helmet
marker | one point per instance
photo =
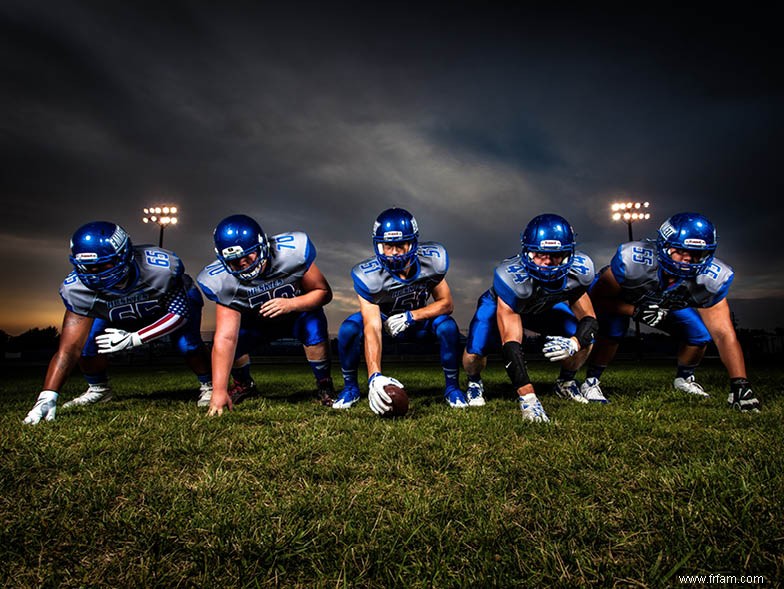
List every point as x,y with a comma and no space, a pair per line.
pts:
548,234
691,232
238,236
101,254
396,226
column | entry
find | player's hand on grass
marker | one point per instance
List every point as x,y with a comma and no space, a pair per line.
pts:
45,408
218,401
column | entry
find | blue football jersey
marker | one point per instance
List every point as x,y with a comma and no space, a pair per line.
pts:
636,268
291,255
158,283
394,295
524,294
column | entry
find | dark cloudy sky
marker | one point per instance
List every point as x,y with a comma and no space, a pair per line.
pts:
474,118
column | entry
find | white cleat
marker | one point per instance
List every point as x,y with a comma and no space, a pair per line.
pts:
532,409
205,394
475,394
95,393
568,389
689,385
592,391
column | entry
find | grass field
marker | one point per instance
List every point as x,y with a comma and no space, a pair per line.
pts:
145,491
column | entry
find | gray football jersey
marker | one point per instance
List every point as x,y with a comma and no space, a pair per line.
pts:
159,276
636,268
291,255
394,295
525,294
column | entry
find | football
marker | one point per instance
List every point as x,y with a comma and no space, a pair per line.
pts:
399,401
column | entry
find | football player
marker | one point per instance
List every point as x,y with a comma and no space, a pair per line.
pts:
265,289
676,285
393,289
119,297
542,289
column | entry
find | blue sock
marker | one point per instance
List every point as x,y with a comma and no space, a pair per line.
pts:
97,378
685,371
242,374
567,374
350,377
450,376
204,378
474,377
320,368
594,371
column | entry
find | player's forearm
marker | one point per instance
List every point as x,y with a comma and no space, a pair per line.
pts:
60,366
373,350
167,324
310,301
222,360
434,309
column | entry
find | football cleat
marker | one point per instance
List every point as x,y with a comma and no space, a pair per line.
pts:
592,392
689,385
205,394
325,392
568,389
475,393
347,397
532,409
95,393
741,396
455,397
242,391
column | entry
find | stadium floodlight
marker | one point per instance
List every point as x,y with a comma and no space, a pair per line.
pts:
629,212
163,215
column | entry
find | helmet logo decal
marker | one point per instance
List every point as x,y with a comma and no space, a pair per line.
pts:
549,243
393,235
693,242
231,252
86,257
667,230
118,238
414,225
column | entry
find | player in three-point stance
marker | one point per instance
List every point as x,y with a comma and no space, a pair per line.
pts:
265,289
542,289
393,289
677,285
119,297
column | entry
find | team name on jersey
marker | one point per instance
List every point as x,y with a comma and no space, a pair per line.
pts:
134,298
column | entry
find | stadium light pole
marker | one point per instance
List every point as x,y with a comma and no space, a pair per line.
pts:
163,215
629,212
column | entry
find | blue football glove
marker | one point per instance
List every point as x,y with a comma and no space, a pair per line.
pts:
398,323
557,348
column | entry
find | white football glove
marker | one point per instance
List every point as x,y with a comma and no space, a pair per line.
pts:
557,348
45,408
114,340
379,401
398,323
650,314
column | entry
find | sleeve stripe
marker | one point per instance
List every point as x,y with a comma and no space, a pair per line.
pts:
166,324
